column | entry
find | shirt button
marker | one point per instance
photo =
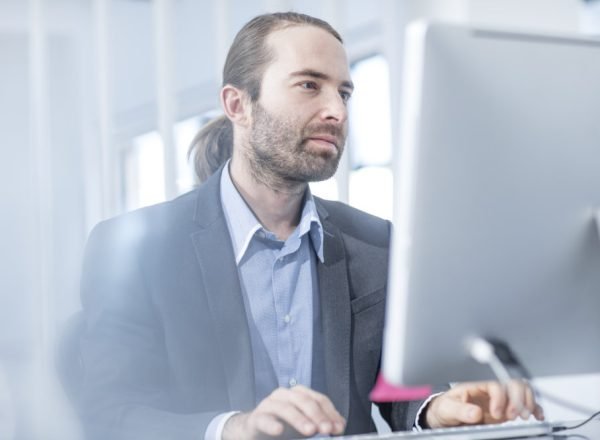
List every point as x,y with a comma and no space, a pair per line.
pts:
293,382
287,319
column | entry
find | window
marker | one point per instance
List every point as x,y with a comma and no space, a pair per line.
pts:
144,165
144,173
370,146
184,133
327,189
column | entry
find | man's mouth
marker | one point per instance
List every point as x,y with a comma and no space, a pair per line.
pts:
326,142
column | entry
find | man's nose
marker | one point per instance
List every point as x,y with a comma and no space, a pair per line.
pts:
334,108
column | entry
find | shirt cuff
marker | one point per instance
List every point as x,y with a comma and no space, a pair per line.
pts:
417,426
214,431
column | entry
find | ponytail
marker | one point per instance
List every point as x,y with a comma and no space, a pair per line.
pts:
211,147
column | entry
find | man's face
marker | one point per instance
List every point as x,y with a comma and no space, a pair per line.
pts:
300,121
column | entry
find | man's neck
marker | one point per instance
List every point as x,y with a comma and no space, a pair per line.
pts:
277,206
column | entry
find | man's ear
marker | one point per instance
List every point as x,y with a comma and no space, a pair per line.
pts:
236,105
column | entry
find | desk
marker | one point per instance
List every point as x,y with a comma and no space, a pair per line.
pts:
590,431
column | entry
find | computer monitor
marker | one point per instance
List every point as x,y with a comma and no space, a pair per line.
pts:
496,199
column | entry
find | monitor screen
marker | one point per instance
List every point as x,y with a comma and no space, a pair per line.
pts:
496,199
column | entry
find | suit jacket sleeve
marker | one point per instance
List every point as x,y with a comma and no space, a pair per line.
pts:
126,391
402,416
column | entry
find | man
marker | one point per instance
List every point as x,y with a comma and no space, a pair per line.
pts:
249,308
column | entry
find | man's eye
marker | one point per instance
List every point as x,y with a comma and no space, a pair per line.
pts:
346,96
310,85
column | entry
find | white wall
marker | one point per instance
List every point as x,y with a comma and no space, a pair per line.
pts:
41,248
552,15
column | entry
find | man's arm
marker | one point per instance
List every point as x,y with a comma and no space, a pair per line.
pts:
125,394
472,403
468,403
402,416
126,389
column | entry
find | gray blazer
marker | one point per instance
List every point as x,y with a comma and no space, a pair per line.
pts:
166,344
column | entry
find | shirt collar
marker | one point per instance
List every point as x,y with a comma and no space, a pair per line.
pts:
243,224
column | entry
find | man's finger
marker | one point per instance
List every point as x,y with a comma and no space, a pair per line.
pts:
530,403
291,415
311,408
538,413
497,400
319,408
268,424
516,396
453,412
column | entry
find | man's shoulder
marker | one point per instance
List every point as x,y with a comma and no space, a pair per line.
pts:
159,220
356,223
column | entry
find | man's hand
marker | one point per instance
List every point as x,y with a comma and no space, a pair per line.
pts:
293,412
482,403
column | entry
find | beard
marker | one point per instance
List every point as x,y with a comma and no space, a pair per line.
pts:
279,155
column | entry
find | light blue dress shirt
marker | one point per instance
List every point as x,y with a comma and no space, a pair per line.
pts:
281,296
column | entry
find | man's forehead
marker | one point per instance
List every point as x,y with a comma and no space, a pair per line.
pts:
306,48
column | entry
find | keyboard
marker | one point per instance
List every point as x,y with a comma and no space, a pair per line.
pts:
476,432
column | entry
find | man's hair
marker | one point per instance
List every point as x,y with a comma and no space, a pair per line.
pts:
245,65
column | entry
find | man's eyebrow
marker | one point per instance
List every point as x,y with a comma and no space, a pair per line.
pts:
320,75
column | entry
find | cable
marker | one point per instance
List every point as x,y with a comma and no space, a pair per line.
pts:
510,359
544,394
579,425
484,351
498,355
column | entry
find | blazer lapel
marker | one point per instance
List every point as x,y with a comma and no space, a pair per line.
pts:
335,315
214,252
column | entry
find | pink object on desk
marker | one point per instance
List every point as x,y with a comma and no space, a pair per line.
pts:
386,392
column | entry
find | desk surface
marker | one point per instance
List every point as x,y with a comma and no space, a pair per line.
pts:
590,431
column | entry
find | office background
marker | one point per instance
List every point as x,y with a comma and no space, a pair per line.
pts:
99,100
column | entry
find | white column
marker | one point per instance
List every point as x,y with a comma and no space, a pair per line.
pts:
101,157
395,18
41,191
333,13
221,29
277,5
41,162
165,89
